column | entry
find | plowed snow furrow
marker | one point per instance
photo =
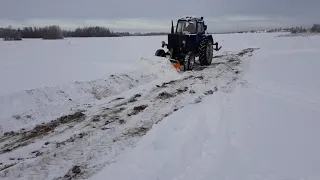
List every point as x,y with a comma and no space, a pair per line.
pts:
79,149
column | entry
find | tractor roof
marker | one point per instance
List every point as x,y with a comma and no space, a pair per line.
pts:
188,18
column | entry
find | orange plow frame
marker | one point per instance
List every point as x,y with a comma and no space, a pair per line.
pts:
177,66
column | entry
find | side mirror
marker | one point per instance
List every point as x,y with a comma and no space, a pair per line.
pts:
205,27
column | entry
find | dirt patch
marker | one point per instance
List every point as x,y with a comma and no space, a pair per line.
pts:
118,110
73,173
37,153
140,131
69,118
111,119
122,121
131,100
199,77
233,59
165,84
96,118
246,51
219,56
198,100
17,117
140,108
182,90
137,109
174,81
210,92
134,98
116,99
28,117
10,133
71,139
7,166
165,95
27,137
76,169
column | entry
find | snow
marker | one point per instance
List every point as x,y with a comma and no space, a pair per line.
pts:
35,63
265,130
53,91
41,105
252,115
225,141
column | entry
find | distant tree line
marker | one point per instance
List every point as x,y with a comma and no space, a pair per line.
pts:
314,29
10,34
55,32
48,32
279,30
298,30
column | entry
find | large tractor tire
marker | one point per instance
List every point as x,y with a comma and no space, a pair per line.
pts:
189,61
160,53
205,52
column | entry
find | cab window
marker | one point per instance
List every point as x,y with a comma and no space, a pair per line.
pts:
199,27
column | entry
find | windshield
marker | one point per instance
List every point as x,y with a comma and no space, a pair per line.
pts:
186,27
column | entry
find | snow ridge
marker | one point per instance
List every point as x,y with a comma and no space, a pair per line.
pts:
31,107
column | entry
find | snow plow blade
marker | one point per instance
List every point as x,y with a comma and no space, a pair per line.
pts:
176,64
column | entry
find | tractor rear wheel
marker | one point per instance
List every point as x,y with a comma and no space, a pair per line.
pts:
205,52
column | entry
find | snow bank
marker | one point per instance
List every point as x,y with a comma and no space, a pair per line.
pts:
31,107
35,63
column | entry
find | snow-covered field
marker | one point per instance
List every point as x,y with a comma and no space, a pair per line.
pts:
252,115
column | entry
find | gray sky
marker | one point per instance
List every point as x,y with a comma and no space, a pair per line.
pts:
148,15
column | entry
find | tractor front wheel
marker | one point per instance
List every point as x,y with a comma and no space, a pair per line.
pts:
189,61
160,53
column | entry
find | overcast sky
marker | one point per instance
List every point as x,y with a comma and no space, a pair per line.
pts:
150,15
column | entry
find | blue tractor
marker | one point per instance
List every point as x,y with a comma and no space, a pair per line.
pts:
188,40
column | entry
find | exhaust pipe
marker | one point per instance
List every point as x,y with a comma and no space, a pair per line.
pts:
172,29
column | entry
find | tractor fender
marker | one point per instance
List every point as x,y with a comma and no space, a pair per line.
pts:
209,37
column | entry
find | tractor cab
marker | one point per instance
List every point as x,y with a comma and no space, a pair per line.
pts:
190,26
